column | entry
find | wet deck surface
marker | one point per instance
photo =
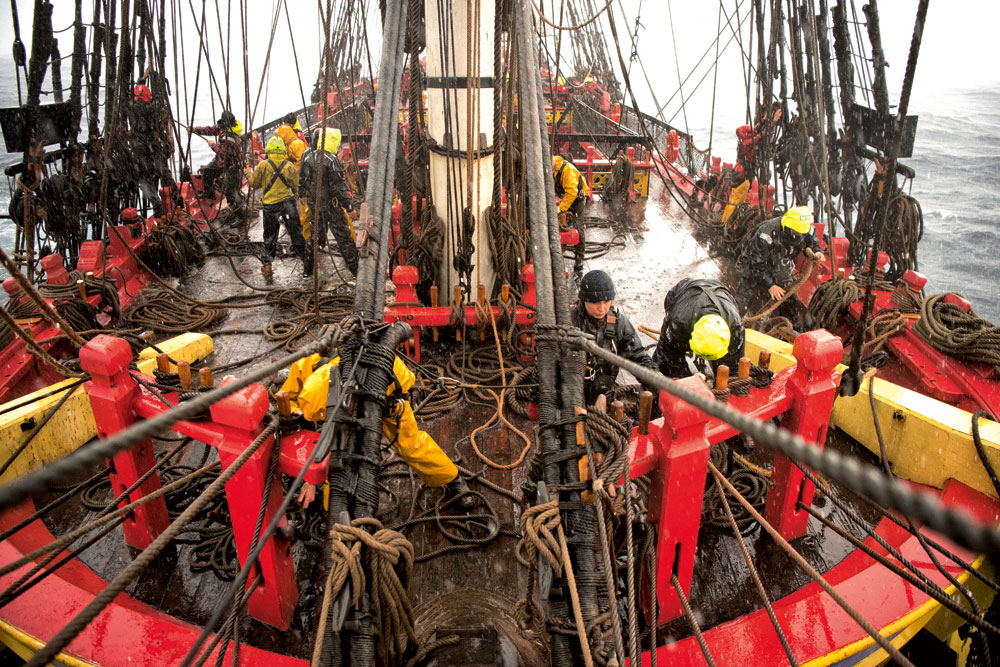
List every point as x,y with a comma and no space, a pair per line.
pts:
465,591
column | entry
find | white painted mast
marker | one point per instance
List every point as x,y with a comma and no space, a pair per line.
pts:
460,35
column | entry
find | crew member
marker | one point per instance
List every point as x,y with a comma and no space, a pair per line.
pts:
151,147
308,384
228,159
701,321
295,146
596,314
334,201
279,181
573,193
766,265
748,138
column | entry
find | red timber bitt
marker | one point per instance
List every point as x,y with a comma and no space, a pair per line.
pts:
112,391
236,421
241,417
676,493
812,388
674,452
408,308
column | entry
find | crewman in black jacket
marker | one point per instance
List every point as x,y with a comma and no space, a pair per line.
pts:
766,264
330,210
701,319
596,314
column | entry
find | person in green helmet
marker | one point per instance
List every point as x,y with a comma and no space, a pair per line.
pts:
279,181
701,321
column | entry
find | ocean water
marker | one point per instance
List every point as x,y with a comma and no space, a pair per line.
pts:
956,157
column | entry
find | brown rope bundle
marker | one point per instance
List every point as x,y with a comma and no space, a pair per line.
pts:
388,556
961,334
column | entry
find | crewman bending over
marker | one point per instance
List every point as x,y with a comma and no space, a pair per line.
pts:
701,321
767,263
279,181
308,384
596,314
573,193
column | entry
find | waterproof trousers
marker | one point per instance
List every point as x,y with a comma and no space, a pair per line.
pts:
274,215
337,221
417,447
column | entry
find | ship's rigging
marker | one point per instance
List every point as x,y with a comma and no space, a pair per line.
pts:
493,170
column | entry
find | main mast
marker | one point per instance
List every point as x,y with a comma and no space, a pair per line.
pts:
460,102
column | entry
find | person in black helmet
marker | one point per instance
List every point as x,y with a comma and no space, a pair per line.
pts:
596,314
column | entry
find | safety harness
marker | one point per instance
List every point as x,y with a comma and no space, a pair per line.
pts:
277,175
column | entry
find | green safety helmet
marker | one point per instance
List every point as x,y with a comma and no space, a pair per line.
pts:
798,219
710,337
275,145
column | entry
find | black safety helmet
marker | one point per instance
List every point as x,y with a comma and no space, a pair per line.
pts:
227,119
596,286
289,119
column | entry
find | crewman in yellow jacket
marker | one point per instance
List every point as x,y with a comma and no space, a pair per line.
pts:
571,186
279,181
307,387
573,193
296,147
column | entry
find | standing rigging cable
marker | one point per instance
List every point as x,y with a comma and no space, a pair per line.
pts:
851,381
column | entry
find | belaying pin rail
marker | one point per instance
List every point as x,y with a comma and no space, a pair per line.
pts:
674,452
235,421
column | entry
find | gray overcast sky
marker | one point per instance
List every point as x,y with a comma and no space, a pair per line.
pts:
958,43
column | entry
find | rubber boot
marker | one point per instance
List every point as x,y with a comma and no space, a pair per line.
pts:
268,273
457,488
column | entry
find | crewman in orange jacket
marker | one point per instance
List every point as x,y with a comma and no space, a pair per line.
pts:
295,147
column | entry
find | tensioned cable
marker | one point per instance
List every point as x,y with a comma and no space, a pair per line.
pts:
57,471
860,478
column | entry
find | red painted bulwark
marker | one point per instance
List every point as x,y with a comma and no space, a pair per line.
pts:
128,633
816,625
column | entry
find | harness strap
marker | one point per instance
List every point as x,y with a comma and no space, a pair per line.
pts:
277,175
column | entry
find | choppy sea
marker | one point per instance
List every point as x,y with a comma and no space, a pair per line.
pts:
957,160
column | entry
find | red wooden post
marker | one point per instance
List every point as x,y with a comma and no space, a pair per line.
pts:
112,390
242,416
812,387
55,272
676,491
405,278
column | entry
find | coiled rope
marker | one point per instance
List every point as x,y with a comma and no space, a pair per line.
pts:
961,334
389,559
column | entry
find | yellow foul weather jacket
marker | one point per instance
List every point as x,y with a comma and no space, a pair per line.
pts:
570,184
308,386
275,189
